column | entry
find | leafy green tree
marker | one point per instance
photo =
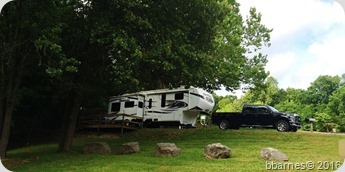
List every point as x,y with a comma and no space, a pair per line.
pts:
324,122
288,107
336,104
290,101
293,95
267,93
271,94
336,107
342,80
317,97
216,99
239,51
321,89
224,102
235,105
256,37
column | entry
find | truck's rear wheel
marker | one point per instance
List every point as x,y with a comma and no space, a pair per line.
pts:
224,125
282,126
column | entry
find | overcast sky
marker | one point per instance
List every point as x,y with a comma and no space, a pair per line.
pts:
308,39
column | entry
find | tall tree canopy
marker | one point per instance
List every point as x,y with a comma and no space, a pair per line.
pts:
97,48
321,89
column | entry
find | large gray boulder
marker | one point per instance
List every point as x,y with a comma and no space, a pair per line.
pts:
272,154
131,147
167,150
96,148
217,151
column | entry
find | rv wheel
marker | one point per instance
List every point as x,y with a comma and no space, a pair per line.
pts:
224,125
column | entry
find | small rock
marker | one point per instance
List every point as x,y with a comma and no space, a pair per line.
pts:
96,148
217,151
272,154
167,150
131,147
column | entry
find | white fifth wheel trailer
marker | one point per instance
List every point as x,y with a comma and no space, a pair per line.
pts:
180,106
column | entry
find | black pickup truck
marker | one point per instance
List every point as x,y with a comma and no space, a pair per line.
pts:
257,115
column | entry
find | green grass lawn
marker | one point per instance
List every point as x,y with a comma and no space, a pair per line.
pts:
245,144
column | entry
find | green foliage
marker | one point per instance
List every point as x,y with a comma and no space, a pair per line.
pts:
224,102
216,99
306,111
287,106
66,65
324,122
294,95
255,38
232,105
269,93
336,104
321,89
148,44
336,107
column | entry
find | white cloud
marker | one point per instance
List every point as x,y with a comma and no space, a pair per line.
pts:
280,63
291,16
307,39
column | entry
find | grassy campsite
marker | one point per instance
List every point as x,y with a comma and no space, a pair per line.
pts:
245,145
59,58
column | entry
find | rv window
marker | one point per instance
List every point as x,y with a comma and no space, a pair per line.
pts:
141,105
150,103
179,96
163,100
115,107
129,104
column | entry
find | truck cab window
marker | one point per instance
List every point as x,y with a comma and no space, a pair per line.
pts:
262,110
249,109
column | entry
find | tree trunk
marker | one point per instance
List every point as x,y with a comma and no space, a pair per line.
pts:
6,128
11,79
2,111
8,104
69,122
9,100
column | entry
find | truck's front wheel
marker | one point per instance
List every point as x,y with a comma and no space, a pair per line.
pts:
283,126
224,125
